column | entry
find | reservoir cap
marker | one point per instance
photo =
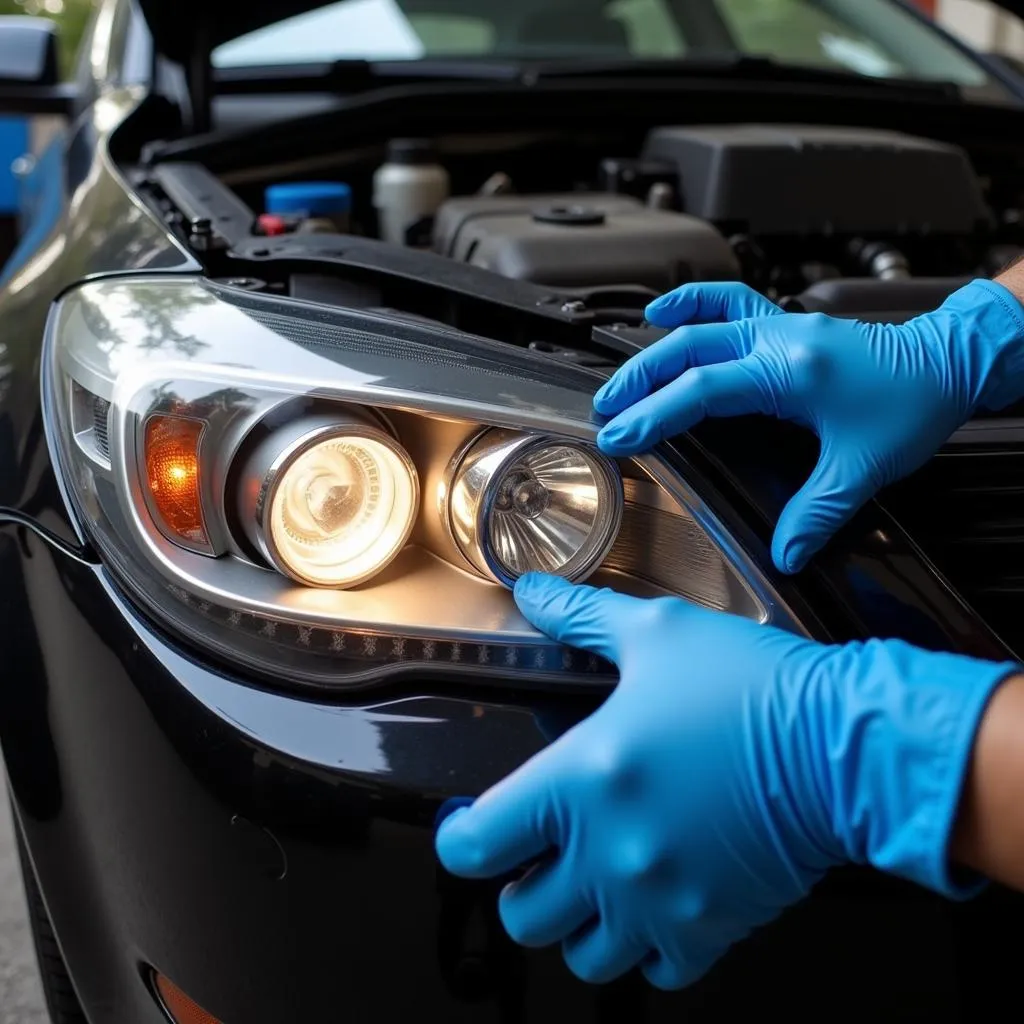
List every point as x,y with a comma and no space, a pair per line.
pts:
312,198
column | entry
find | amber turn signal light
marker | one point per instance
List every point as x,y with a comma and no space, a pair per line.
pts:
178,1006
172,479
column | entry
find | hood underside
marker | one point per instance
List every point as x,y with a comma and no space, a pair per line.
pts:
184,28
179,27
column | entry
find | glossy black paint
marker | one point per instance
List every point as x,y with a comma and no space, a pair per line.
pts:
273,855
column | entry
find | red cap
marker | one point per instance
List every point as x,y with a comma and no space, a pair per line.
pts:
271,224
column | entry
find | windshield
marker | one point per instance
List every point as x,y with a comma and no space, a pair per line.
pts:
867,37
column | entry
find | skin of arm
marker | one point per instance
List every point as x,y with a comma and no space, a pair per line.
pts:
989,833
1013,278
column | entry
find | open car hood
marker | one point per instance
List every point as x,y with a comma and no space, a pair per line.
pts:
180,27
184,28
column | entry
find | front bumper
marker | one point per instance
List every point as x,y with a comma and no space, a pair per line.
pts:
274,858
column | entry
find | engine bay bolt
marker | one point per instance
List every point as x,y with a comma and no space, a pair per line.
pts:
574,306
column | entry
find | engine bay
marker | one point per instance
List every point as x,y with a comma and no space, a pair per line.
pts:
869,223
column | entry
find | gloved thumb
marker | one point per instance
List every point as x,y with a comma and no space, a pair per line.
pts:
592,620
840,484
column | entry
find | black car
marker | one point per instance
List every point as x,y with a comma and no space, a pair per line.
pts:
297,352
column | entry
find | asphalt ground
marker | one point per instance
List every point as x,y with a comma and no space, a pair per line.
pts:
21,998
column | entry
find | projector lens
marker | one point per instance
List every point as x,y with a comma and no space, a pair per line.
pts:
336,502
341,511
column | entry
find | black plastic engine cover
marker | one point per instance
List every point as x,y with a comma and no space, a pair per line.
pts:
803,180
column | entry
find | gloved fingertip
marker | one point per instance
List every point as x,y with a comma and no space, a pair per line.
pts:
604,395
790,554
792,565
671,977
618,439
533,588
456,847
657,313
529,582
451,806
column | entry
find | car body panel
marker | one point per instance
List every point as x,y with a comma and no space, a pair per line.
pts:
274,856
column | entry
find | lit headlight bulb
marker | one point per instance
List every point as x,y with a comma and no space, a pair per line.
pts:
335,505
520,504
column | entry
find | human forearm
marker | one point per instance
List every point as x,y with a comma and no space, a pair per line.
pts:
1012,278
989,834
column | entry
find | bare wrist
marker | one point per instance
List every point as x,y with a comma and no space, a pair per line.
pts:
1012,278
989,830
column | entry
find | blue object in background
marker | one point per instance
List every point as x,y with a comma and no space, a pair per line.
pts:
309,198
14,142
40,205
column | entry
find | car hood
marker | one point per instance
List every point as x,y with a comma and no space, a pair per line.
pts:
179,27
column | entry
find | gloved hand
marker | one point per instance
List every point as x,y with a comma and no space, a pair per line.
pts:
733,765
881,398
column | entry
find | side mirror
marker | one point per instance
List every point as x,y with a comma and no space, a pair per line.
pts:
28,51
29,74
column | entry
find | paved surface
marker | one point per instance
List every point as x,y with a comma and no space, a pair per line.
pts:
21,999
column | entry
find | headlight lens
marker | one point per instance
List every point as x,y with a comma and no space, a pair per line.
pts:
341,511
523,504
304,493
334,503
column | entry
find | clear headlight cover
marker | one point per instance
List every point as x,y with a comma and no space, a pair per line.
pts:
330,496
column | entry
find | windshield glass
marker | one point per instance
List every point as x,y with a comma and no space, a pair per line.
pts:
868,37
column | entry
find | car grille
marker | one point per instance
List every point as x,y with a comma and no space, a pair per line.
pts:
965,509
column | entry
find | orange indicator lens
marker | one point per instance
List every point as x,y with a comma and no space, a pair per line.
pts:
179,1006
172,473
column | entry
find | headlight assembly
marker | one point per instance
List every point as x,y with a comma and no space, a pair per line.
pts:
326,497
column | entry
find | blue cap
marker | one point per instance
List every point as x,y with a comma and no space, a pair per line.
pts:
312,198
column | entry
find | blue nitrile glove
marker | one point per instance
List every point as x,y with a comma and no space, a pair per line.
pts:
732,766
882,398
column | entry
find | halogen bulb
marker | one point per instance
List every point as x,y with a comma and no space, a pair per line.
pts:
523,503
545,510
341,510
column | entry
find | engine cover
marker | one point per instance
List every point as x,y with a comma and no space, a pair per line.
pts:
582,240
808,180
